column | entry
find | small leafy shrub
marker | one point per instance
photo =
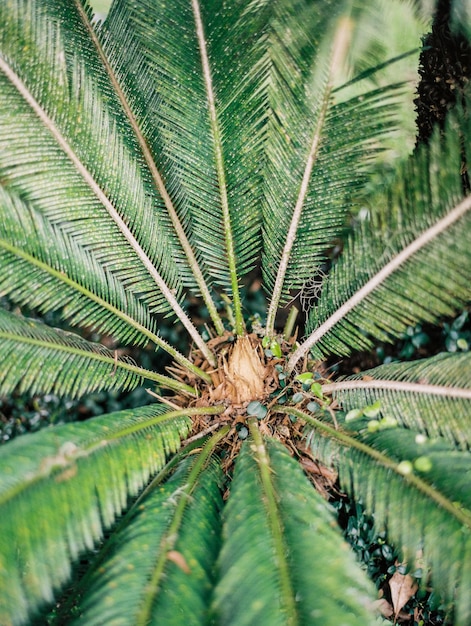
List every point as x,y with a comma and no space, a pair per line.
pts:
157,167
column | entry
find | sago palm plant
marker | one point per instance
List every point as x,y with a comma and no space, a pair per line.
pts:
148,167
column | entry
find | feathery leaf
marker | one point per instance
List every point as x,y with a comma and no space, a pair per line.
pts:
254,553
40,359
309,146
71,281
176,79
66,279
412,485
406,264
60,488
116,587
59,110
431,396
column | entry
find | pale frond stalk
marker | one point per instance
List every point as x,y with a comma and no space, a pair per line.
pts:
158,341
425,238
398,385
120,223
345,439
115,363
171,415
339,52
170,538
158,181
287,599
230,250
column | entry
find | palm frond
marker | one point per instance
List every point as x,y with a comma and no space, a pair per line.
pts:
40,359
262,581
431,396
178,109
71,279
406,264
173,535
136,112
415,488
73,283
60,488
58,112
308,146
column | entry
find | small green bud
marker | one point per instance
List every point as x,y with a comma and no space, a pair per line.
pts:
353,415
423,464
304,377
388,422
405,468
372,410
316,389
373,426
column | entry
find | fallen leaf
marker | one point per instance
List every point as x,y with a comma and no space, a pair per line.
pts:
402,587
383,607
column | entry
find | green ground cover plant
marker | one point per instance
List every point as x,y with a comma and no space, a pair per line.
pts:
153,169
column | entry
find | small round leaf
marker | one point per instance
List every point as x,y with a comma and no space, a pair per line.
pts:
256,409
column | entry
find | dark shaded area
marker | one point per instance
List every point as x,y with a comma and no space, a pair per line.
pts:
445,70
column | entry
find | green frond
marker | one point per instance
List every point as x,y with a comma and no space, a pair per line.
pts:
308,145
59,490
179,118
264,516
405,264
72,281
386,45
416,488
68,150
431,396
131,102
349,142
40,359
122,577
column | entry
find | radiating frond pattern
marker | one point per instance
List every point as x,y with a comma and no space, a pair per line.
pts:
147,166
248,594
426,201
60,488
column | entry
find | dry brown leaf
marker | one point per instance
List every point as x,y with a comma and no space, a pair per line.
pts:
383,607
402,587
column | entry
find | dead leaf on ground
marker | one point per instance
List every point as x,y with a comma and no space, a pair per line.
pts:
383,607
402,587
